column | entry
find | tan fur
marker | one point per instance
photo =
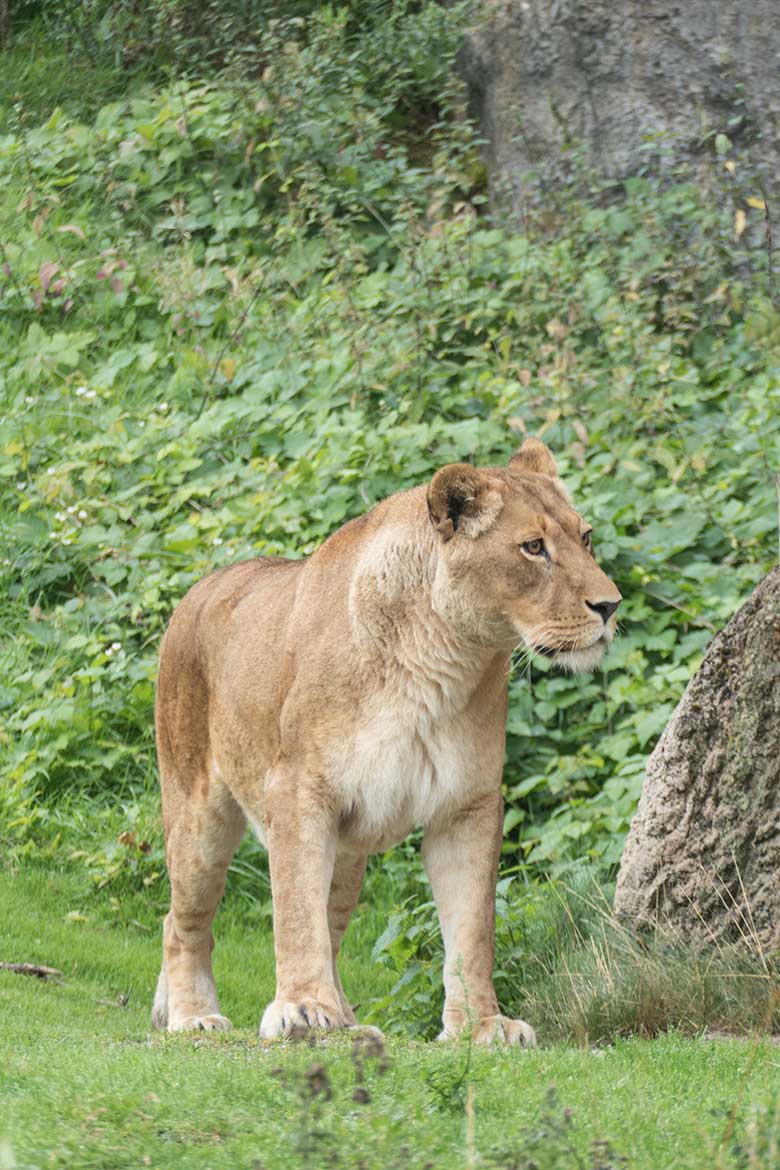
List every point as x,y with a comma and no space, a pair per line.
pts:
337,702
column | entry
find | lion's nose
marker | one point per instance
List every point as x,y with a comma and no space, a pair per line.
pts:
604,609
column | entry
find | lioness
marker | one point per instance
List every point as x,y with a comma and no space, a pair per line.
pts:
339,701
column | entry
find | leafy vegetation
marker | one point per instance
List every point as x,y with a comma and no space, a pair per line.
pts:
240,304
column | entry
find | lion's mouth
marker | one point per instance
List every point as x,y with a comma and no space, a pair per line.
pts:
554,651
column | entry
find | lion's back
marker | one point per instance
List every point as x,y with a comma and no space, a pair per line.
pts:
250,600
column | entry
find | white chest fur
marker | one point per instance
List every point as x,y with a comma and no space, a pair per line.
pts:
402,768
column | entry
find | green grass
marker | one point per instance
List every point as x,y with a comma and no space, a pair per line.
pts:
84,1083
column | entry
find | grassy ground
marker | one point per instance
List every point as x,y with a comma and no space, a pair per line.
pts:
83,1082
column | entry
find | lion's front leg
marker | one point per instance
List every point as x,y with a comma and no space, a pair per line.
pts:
301,839
461,854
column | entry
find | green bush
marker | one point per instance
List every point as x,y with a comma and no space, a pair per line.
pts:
236,311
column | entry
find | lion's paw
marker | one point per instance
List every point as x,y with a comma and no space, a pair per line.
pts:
499,1030
213,1023
284,1017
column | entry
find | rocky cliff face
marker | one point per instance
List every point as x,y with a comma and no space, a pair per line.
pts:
622,86
703,853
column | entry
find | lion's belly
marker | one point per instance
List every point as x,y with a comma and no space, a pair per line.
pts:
394,775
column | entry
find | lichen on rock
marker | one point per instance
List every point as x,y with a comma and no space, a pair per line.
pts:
621,88
703,852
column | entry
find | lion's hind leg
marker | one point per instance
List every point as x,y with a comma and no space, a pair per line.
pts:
201,838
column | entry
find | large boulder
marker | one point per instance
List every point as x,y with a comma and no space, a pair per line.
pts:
703,852
623,86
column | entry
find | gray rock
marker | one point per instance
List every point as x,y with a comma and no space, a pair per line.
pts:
623,87
703,852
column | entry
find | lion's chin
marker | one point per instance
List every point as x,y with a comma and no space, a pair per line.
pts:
576,661
582,661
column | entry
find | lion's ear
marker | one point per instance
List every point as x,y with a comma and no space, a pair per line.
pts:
462,498
534,455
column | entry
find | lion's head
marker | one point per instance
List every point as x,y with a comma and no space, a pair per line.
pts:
516,560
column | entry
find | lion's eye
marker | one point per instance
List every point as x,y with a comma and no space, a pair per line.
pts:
534,548
587,540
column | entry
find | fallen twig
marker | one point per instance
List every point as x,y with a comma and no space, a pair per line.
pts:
32,969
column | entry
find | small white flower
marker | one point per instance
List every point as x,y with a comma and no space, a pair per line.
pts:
217,540
59,516
141,424
91,394
30,399
71,509
51,471
52,536
20,487
163,406
80,390
82,514
116,645
109,652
